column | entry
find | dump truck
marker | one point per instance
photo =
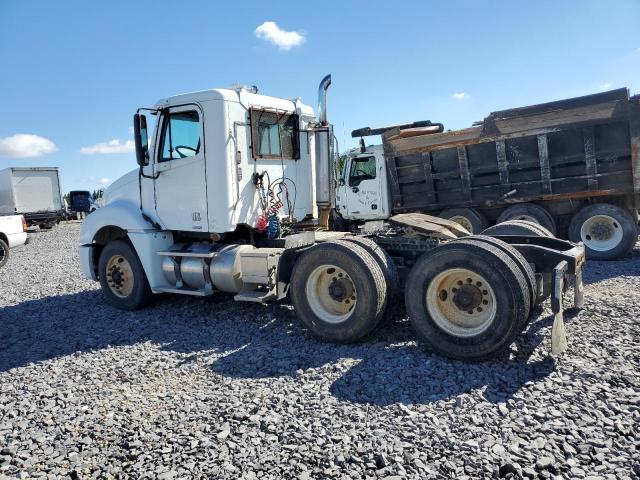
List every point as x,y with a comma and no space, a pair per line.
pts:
233,193
572,166
33,192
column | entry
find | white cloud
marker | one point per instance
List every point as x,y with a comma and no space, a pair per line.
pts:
23,145
460,96
271,32
605,86
102,181
113,146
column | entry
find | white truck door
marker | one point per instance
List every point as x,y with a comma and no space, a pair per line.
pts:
364,189
181,186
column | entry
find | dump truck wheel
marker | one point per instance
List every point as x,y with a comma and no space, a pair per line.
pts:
338,291
607,231
386,263
122,277
470,218
518,227
531,213
519,260
4,253
467,300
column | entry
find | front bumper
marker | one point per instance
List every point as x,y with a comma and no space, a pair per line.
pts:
85,252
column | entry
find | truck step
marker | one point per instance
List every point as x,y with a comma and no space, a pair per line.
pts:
254,296
185,291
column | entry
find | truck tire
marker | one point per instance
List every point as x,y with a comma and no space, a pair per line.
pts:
338,291
4,253
519,260
470,218
386,263
452,278
122,278
607,231
531,213
518,227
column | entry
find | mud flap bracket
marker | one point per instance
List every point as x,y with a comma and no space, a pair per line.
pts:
558,332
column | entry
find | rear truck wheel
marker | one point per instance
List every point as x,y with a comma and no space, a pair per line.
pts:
470,218
519,260
607,231
531,213
518,227
338,291
122,277
4,253
467,300
385,262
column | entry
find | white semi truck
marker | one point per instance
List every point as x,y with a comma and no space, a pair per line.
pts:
232,194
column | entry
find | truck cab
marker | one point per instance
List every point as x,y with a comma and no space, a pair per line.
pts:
363,191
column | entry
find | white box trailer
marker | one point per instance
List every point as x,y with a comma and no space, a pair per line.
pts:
32,192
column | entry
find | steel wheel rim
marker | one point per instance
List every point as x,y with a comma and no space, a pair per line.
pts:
331,293
464,222
120,276
601,233
3,253
453,290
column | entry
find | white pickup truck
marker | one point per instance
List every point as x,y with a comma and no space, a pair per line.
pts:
13,232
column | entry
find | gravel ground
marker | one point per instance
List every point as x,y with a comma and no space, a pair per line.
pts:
211,388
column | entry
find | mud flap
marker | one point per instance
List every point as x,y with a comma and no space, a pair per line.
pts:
558,332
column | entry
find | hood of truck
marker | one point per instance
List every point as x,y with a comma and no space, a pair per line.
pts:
124,188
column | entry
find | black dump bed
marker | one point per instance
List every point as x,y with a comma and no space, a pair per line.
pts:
575,148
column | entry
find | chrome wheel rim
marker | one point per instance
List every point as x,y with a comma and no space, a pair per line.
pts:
464,222
119,276
331,293
461,302
601,233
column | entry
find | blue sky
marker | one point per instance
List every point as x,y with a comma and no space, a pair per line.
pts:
74,72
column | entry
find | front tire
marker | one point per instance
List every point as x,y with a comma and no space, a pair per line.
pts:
467,300
607,231
338,291
4,253
122,278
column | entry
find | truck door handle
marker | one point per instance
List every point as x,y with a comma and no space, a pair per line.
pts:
355,189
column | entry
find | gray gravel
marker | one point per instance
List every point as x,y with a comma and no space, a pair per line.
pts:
210,388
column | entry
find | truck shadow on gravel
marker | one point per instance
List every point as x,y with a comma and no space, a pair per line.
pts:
254,341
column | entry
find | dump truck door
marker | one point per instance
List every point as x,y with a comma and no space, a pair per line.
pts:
363,188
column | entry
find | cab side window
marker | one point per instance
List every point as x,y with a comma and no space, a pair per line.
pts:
274,135
362,168
180,136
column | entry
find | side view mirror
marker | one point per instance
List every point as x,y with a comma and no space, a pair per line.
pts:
141,139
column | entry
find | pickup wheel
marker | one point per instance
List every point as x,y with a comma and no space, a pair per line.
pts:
470,218
122,277
607,231
519,260
531,213
338,291
4,253
467,300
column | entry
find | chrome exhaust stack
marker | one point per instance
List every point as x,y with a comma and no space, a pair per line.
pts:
323,133
322,99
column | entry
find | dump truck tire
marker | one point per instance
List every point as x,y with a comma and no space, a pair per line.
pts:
529,212
452,278
607,231
518,227
339,291
4,253
386,263
470,218
122,278
519,260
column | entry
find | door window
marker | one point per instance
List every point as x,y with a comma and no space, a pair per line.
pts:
362,168
180,136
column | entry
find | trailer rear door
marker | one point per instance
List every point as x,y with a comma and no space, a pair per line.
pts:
36,191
